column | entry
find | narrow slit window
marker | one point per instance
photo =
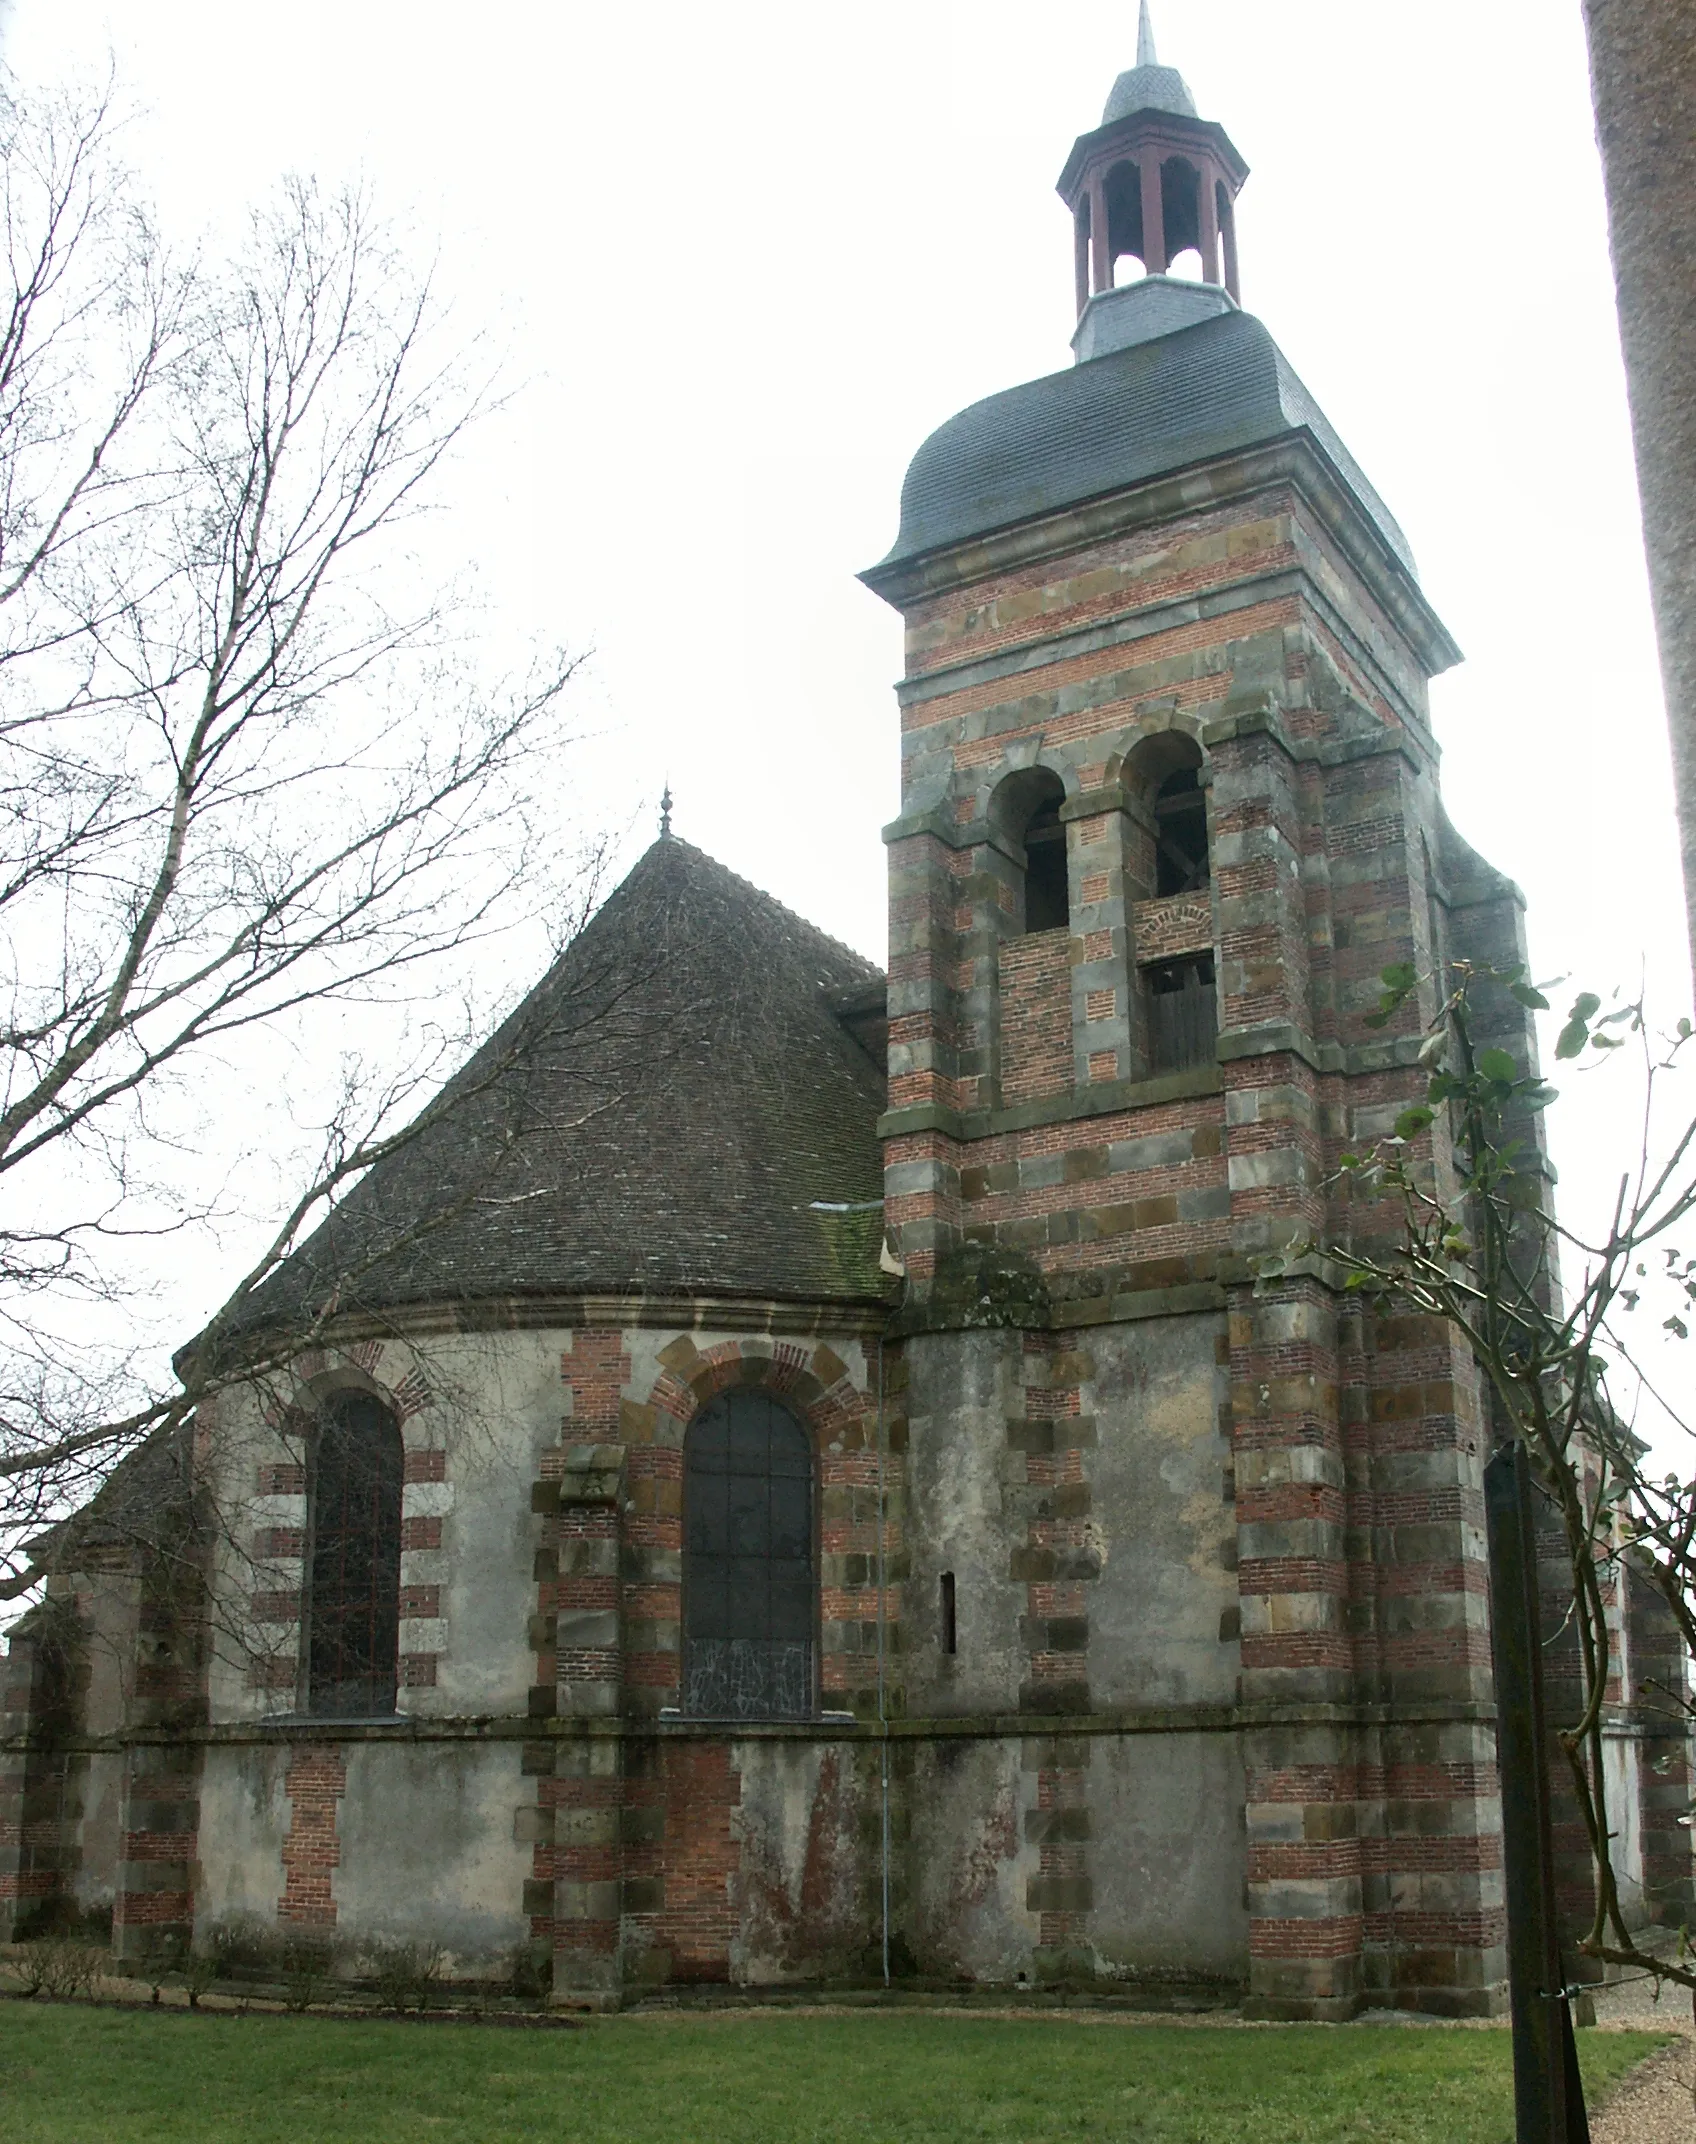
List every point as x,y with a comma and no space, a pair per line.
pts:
950,1628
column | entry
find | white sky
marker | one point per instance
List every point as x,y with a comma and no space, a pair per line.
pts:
747,255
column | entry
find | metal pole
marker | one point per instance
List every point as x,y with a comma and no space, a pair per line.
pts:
882,1666
1548,2097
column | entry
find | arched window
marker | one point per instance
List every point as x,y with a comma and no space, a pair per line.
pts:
1180,196
353,1599
750,1590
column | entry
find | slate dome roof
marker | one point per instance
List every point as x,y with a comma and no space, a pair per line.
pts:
659,1115
1148,89
1122,419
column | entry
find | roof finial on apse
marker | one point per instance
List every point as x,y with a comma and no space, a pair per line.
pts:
1146,56
665,813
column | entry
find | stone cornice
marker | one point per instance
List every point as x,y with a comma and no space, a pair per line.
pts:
1119,1721
669,1313
1108,1098
1297,459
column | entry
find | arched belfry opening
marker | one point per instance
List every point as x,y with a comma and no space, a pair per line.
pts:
1032,1024
1027,811
1123,195
1182,863
1181,191
1165,782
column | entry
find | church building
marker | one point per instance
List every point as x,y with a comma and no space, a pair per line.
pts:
799,1475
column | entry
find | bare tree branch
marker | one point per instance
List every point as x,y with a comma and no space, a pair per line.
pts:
252,777
1475,1243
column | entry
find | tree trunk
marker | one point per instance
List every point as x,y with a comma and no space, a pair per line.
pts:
1643,80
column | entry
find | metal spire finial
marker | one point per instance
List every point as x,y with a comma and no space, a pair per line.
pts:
1146,56
665,814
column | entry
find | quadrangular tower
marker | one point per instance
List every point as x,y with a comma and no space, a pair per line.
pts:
1210,1550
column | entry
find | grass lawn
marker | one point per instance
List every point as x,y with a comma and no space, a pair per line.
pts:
71,2074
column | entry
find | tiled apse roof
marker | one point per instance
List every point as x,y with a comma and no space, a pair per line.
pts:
1119,420
659,1115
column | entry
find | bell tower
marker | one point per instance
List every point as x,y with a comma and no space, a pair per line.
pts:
1200,1554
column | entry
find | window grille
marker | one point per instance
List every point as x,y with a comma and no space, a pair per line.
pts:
750,1592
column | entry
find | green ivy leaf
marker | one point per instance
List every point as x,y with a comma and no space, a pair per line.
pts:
1572,1038
1585,1006
1677,1327
1413,1121
1497,1064
1532,1000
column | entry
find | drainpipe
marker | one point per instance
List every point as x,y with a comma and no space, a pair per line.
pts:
882,1674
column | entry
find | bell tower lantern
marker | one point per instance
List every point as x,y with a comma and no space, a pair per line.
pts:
1152,181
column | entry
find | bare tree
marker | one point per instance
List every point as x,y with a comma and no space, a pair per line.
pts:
251,780
1451,1217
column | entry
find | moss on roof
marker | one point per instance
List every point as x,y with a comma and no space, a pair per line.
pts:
664,1113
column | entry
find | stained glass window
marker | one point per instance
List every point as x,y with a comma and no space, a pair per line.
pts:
353,1603
749,1588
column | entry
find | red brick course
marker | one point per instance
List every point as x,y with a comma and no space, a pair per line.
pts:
315,1781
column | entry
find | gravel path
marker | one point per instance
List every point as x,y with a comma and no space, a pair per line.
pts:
1656,2106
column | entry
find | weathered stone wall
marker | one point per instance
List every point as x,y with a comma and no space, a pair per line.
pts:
540,1588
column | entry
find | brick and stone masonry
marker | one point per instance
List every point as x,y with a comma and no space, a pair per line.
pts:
1245,617
1152,1624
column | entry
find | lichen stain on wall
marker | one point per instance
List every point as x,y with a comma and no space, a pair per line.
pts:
801,1889
967,1863
1210,1526
990,1842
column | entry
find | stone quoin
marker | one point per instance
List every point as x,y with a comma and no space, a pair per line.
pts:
802,1479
